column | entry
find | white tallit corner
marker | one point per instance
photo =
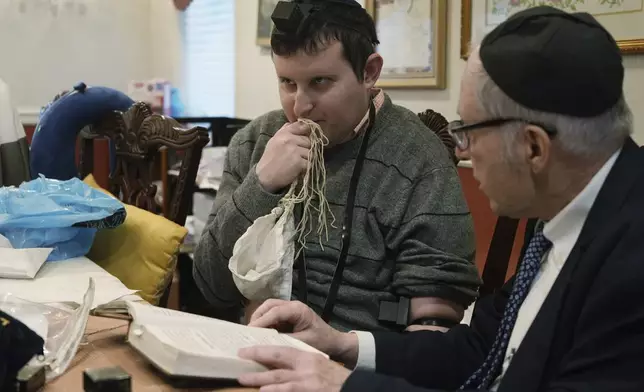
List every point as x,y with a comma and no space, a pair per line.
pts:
262,259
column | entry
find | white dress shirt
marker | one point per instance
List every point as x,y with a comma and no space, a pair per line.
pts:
563,231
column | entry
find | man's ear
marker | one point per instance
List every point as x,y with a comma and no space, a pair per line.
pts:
539,147
372,69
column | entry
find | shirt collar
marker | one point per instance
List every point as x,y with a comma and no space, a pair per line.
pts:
563,230
378,98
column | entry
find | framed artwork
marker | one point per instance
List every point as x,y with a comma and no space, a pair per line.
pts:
412,36
622,18
265,24
369,5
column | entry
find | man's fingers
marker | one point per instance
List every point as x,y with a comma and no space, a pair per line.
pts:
303,141
297,128
263,308
305,154
277,315
270,377
277,357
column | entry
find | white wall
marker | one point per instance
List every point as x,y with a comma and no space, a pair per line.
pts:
634,90
255,81
256,85
165,40
107,43
47,50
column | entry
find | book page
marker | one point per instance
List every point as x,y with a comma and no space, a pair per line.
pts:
145,314
221,342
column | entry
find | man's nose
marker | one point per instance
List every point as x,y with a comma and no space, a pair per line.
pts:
303,105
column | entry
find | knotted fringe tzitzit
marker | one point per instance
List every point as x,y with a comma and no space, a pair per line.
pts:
311,193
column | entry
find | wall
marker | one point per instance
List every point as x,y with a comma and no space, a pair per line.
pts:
106,43
256,85
165,40
255,81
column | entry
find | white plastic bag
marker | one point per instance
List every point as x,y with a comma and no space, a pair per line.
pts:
262,260
62,330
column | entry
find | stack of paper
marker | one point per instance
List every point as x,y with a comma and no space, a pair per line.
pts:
67,281
20,263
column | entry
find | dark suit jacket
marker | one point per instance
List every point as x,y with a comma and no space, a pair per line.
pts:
588,335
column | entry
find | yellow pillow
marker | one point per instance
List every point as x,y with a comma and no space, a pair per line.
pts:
142,252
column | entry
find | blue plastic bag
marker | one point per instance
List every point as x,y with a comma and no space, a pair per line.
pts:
64,215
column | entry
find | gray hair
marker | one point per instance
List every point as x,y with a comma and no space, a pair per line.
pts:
584,138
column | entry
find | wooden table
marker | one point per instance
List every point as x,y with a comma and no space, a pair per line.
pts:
106,347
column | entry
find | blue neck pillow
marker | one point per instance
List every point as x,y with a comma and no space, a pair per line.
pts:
53,147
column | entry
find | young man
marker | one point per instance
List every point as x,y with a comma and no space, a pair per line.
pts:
547,131
412,234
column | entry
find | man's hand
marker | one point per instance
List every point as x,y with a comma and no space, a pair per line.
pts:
285,157
292,370
307,327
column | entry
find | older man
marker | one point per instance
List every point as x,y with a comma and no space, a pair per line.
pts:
546,127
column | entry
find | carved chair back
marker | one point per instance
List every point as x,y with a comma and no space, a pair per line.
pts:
438,123
137,136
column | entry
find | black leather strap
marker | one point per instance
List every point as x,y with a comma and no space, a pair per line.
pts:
435,321
498,256
346,230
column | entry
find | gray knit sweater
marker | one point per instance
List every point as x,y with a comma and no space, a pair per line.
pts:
412,232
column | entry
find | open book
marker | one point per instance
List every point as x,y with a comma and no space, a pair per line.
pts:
187,345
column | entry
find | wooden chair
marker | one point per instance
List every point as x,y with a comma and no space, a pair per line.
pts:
138,135
438,124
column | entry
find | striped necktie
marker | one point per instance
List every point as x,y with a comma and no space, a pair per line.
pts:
491,367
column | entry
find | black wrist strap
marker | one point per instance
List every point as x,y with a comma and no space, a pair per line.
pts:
435,322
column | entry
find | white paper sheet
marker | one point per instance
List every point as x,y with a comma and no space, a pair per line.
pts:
211,168
67,281
20,263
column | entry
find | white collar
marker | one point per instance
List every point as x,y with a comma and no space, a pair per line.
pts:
563,230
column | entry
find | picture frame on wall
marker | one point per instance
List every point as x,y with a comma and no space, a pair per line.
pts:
369,5
622,18
264,23
413,35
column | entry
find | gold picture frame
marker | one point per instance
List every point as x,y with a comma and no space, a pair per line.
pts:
369,5
265,25
466,27
414,77
627,46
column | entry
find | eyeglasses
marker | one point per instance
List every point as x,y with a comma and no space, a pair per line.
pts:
458,130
